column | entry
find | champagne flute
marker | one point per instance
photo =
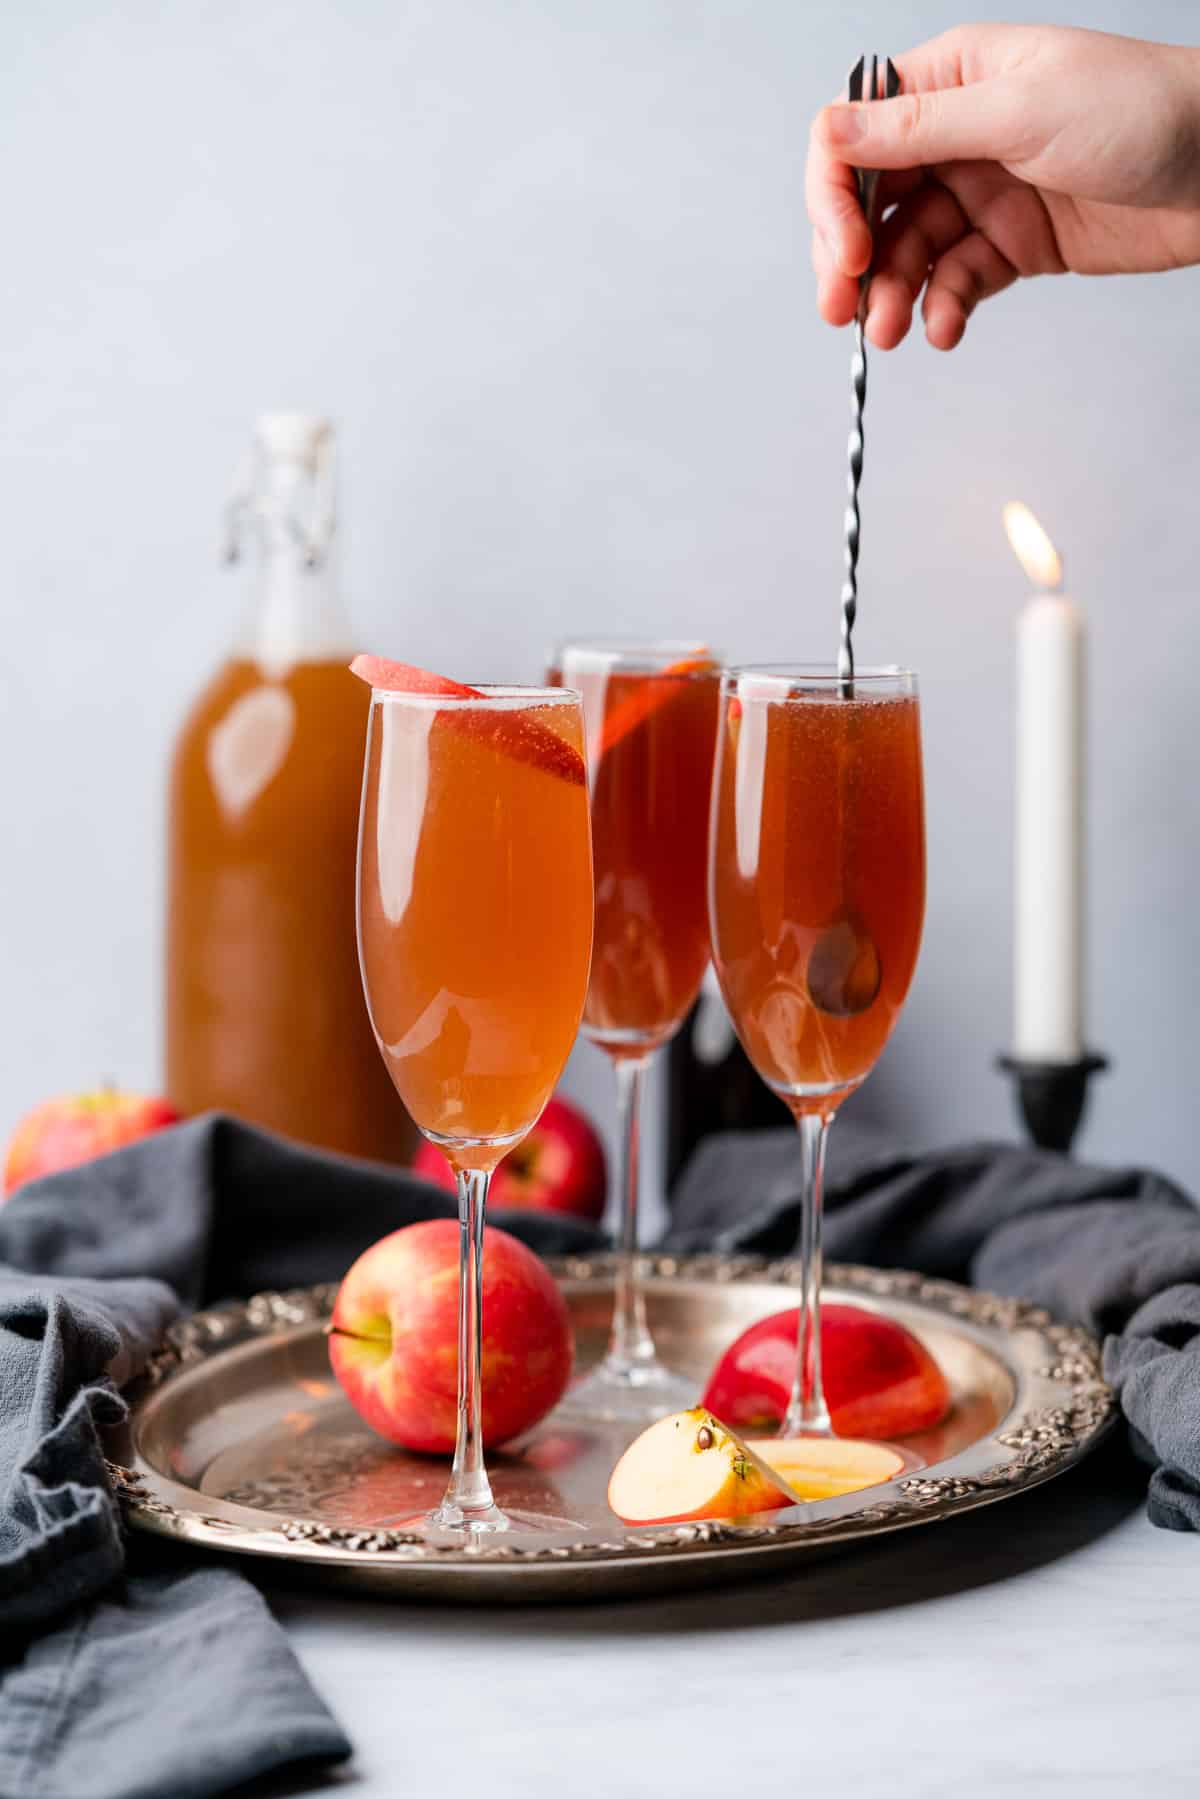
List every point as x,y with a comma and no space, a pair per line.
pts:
816,900
650,710
475,931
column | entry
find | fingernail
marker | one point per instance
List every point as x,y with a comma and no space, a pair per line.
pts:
847,124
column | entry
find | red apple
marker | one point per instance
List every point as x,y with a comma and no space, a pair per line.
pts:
880,1381
63,1132
559,1167
393,1340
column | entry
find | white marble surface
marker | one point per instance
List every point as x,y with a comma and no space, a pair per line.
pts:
1048,1645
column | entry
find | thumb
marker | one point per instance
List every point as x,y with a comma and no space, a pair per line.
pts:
977,123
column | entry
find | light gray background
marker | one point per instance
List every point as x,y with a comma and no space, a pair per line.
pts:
547,265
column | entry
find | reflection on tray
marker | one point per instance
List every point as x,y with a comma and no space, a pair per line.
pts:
284,1441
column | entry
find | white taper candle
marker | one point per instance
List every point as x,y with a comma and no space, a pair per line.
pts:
1049,933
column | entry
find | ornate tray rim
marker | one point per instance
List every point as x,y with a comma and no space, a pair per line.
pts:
1062,1408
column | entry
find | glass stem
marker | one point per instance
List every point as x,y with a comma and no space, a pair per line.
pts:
469,1490
631,1345
807,1414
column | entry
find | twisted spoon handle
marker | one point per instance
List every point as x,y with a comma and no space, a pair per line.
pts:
858,400
868,181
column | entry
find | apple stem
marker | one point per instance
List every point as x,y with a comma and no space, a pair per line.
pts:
807,1414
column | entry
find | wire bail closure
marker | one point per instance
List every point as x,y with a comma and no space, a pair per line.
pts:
266,485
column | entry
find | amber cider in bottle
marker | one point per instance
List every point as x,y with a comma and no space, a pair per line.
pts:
265,1015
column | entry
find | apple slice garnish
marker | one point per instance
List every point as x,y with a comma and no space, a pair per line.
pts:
688,1466
524,738
405,677
826,1467
511,733
651,693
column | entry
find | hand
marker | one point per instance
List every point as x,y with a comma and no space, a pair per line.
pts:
1012,150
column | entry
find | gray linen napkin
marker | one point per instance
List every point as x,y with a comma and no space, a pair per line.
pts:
127,1672
1116,1249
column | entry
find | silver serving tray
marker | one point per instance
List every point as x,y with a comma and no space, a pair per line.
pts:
240,1440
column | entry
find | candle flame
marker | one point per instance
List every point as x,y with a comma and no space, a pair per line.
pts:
1031,546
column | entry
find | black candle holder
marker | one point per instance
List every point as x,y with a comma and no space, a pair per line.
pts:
1052,1096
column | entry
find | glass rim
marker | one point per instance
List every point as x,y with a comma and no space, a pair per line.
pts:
629,652
496,696
823,676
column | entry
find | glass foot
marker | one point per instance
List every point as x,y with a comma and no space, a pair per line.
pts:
449,1523
616,1394
476,1521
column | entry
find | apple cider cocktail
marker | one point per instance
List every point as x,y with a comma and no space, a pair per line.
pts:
475,932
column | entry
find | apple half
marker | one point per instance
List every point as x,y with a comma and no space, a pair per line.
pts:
881,1382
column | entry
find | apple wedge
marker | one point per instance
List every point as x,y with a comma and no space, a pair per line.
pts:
825,1467
689,1466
